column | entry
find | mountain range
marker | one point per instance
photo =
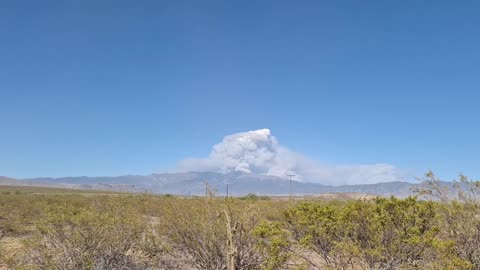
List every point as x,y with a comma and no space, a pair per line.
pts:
193,183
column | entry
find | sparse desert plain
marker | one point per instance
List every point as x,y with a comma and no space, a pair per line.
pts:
52,228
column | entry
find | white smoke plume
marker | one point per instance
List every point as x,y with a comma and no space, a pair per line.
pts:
259,152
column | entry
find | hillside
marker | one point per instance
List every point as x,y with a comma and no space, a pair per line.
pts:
193,183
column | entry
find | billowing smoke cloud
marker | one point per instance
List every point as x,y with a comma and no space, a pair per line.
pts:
259,152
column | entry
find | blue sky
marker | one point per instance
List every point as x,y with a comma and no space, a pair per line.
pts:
123,87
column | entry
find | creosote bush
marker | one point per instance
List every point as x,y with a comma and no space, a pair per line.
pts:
214,234
102,236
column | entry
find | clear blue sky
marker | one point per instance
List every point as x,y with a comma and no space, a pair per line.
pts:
118,87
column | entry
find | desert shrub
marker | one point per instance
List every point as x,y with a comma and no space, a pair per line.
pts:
459,215
214,234
254,197
380,234
18,214
314,227
390,233
102,236
274,243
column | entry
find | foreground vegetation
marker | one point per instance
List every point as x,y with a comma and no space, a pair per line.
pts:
41,230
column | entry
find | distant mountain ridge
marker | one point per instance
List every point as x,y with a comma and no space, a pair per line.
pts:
64,184
193,183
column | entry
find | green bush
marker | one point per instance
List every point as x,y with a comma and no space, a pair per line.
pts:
372,234
254,197
88,237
